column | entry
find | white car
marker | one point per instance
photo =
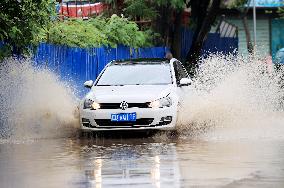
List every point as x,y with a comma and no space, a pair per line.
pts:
137,94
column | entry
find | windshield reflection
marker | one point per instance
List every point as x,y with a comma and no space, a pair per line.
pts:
147,74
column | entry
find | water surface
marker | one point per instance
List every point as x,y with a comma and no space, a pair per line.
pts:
142,162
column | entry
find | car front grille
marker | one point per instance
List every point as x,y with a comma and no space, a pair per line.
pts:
109,123
117,105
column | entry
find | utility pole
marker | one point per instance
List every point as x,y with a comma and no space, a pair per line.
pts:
254,26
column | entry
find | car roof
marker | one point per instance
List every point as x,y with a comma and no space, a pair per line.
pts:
140,61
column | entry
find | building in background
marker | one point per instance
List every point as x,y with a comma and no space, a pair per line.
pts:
270,28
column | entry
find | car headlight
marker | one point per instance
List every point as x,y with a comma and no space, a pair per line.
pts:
160,103
95,106
90,104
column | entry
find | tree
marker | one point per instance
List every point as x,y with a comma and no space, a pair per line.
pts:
160,14
243,13
241,6
168,23
21,21
115,6
96,32
171,17
204,13
139,10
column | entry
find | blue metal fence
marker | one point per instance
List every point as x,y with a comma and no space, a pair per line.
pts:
214,43
78,65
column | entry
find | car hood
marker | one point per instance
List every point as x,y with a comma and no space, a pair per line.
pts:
129,93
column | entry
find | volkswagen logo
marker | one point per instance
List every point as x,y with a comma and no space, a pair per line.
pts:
123,105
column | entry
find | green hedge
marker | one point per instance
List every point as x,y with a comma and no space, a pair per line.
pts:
96,32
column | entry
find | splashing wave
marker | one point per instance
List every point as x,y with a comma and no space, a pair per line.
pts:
234,97
34,102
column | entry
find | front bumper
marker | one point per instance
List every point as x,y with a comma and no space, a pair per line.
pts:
147,119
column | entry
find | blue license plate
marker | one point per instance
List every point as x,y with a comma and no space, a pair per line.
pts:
124,117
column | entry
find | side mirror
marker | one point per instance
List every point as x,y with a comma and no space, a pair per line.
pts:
184,82
89,83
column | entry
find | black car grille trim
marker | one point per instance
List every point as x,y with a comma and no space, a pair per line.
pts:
117,105
109,123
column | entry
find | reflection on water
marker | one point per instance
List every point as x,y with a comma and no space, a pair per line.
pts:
128,163
142,163
122,176
98,173
156,172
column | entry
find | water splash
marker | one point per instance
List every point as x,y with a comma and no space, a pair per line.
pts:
34,102
232,98
234,95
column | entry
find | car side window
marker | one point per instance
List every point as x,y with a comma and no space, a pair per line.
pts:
179,71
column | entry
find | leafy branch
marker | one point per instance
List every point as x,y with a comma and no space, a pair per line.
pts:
96,32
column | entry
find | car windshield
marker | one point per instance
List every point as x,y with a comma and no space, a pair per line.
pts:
136,74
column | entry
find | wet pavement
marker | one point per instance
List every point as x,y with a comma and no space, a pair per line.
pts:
141,162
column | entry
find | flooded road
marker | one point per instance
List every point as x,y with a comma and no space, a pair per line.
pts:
142,162
231,133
